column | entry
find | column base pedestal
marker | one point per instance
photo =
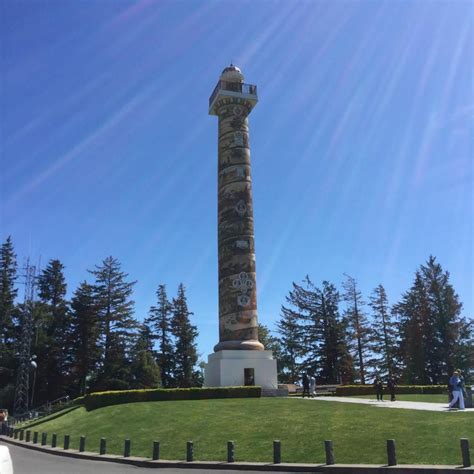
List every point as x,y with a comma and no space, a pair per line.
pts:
229,368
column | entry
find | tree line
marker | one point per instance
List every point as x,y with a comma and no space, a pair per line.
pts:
93,342
341,337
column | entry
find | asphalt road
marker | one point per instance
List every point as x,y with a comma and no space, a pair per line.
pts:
27,461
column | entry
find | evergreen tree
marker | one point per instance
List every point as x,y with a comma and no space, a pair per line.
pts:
416,333
118,327
334,359
290,328
434,337
272,343
185,346
8,293
159,320
384,333
358,329
84,340
55,325
145,371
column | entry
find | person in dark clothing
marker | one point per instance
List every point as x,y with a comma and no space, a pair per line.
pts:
306,385
378,388
391,388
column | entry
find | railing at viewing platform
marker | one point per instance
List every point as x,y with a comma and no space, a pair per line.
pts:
239,87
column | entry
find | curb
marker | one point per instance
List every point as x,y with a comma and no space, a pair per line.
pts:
245,466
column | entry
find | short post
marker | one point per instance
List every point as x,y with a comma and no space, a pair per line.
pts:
391,453
35,437
54,440
329,452
22,435
276,451
127,448
44,437
466,458
156,451
230,451
28,436
15,434
102,446
67,440
189,451
82,444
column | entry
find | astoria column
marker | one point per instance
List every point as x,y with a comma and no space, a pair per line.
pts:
232,101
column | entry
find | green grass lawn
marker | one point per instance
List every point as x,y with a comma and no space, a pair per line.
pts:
359,432
412,398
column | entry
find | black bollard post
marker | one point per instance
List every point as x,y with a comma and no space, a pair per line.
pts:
230,451
127,448
329,452
44,437
391,453
82,444
103,446
15,434
466,458
54,440
28,436
276,452
189,451
156,451
35,437
67,440
22,435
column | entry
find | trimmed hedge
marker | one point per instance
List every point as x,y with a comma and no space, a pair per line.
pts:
351,390
96,400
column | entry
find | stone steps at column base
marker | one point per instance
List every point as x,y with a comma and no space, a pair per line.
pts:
274,392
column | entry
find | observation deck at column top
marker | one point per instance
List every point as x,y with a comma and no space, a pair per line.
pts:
231,84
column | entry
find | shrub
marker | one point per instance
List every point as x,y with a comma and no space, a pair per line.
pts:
351,390
102,399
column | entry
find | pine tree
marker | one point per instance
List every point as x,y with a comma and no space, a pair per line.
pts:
332,353
272,343
8,293
118,327
145,371
434,337
84,339
384,333
185,336
55,325
358,329
415,333
290,328
159,320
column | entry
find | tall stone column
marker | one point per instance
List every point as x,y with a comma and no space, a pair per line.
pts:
238,326
239,358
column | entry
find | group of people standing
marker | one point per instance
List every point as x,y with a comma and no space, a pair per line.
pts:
378,385
309,386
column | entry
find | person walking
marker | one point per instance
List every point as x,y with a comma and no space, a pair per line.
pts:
456,382
391,388
312,386
378,388
306,385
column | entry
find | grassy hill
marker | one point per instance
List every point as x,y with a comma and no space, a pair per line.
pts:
359,432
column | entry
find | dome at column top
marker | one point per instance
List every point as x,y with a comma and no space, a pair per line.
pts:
232,74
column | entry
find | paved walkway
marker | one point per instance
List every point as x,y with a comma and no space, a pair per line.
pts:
387,404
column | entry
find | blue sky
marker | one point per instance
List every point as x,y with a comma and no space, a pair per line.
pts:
362,141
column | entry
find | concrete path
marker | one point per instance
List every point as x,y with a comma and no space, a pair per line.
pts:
387,404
